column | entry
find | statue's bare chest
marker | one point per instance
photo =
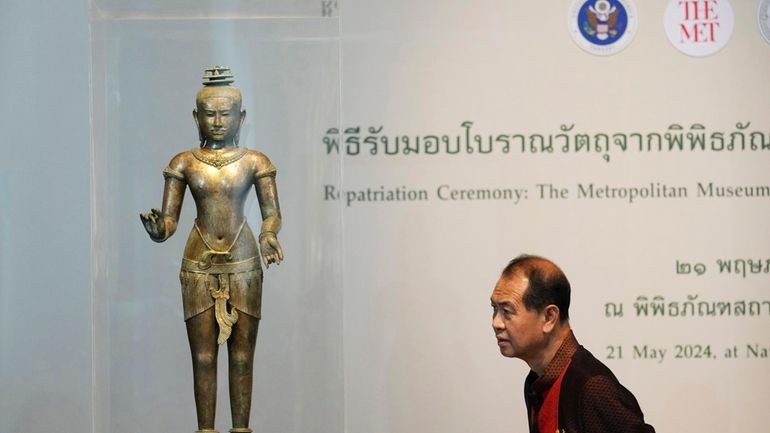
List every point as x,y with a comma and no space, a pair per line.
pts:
230,180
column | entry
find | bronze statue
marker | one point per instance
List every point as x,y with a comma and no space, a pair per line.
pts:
221,274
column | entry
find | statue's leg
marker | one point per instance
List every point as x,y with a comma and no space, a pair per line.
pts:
202,332
240,357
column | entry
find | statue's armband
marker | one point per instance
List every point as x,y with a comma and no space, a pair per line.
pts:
169,172
267,171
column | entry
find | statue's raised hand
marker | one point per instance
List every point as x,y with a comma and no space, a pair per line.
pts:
154,224
271,249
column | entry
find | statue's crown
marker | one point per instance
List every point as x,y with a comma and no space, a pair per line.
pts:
218,76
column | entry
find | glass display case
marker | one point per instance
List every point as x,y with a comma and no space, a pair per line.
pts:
148,60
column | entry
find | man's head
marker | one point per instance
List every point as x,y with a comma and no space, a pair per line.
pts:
530,306
218,111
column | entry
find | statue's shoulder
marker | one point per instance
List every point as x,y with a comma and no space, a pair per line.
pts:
177,167
259,159
262,164
181,160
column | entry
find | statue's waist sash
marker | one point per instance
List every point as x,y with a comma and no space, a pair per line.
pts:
206,267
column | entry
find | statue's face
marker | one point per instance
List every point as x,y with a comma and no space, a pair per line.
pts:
219,118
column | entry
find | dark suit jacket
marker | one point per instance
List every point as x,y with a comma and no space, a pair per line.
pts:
591,400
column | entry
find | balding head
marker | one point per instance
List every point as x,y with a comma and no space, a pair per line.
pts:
547,283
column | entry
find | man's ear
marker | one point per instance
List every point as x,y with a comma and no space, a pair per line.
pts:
551,318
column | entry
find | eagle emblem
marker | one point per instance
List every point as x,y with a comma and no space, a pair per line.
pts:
602,20
602,27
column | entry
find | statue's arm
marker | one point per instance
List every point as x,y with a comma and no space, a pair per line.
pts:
161,224
267,194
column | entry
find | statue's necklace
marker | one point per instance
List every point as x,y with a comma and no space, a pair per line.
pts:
217,159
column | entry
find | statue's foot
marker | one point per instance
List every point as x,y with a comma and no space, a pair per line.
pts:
206,431
240,430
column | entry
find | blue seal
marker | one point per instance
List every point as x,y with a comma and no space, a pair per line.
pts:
602,22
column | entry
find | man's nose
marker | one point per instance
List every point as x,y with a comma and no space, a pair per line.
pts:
497,322
218,120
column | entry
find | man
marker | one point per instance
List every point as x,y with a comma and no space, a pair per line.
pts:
567,389
221,274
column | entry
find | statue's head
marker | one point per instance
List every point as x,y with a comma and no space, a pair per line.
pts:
218,111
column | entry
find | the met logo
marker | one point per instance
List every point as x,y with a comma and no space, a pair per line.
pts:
699,27
700,22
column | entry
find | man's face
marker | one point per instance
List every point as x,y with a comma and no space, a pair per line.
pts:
519,331
218,119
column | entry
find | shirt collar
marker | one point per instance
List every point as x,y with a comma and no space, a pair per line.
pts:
559,362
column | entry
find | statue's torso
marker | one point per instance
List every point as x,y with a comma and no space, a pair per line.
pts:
220,194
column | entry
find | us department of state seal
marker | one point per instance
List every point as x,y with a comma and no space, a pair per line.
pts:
602,27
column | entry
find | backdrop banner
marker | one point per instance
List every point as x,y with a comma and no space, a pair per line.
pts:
472,132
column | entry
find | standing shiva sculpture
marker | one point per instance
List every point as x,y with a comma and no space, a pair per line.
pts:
221,274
